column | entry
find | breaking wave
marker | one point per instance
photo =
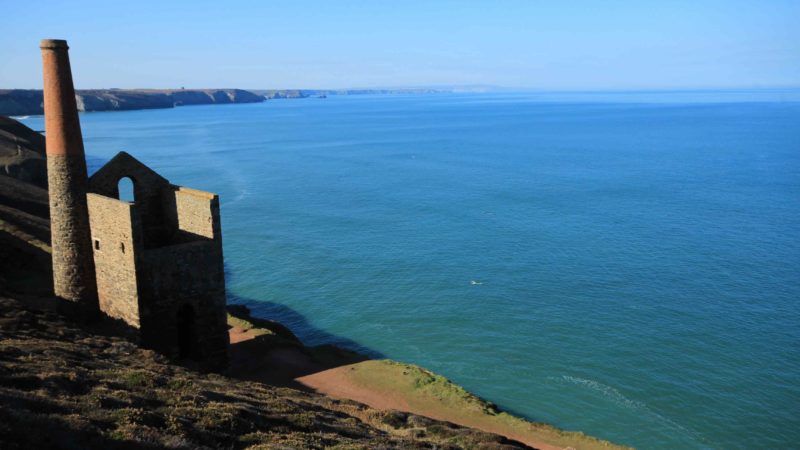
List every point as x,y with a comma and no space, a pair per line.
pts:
619,399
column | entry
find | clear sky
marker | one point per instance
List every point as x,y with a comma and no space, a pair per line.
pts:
569,44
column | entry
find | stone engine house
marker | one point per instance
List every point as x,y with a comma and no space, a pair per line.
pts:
158,261
154,263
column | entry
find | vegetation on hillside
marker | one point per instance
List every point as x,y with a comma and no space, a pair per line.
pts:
426,391
69,386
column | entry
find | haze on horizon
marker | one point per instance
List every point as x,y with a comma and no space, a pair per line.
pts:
617,44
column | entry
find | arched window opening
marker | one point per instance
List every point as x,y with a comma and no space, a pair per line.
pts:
125,188
187,333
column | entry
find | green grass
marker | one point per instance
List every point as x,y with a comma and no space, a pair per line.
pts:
427,391
248,326
133,379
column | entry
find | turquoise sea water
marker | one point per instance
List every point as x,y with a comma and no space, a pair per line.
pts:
627,265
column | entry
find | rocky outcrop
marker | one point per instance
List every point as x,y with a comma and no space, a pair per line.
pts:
121,100
16,102
184,97
22,153
20,102
280,93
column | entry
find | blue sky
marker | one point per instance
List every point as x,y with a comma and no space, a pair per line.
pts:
335,44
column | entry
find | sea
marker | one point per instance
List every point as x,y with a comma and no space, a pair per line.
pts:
626,264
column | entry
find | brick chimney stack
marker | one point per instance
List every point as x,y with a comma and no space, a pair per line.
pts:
73,263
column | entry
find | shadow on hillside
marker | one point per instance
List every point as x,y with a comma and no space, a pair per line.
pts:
279,357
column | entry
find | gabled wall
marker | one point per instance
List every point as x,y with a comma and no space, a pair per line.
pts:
147,189
191,274
159,262
116,238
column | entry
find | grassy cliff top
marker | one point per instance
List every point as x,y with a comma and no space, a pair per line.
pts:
424,392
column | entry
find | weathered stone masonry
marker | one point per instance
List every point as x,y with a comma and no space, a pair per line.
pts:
115,227
155,263
73,270
159,261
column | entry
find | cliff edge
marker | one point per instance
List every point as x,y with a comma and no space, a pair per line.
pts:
69,386
19,102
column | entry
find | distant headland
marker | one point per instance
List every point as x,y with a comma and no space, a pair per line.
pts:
21,102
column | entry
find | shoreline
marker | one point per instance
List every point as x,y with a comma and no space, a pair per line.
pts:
266,351
29,102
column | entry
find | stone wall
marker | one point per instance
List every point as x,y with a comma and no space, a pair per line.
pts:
116,241
148,187
185,274
159,262
194,213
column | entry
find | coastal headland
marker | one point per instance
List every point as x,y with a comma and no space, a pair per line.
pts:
22,102
90,384
17,102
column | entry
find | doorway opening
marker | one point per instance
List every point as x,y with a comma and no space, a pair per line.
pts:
188,347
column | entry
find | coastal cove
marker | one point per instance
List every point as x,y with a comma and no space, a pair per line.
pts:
620,264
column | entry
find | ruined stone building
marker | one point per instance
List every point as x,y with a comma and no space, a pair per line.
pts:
155,263
158,261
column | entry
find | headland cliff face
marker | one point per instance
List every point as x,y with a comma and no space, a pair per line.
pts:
16,102
24,102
